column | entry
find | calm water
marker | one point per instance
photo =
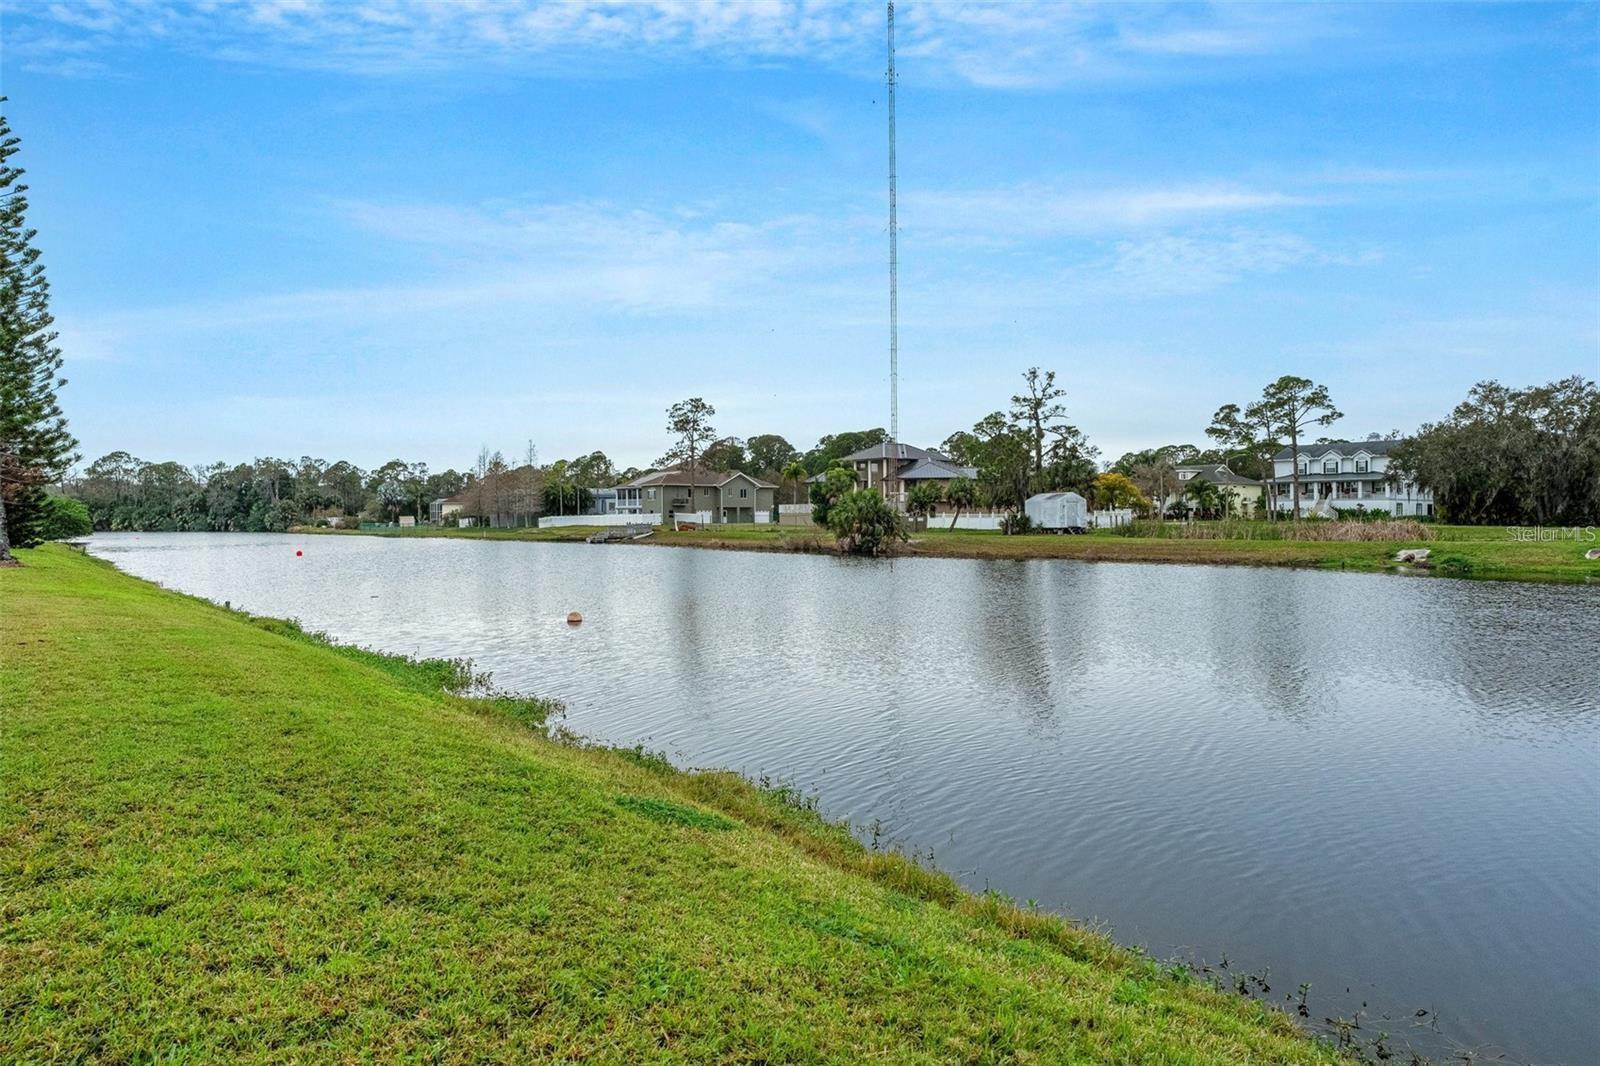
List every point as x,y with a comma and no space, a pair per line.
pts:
1381,784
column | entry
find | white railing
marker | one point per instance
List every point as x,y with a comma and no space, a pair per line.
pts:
550,521
989,520
1111,517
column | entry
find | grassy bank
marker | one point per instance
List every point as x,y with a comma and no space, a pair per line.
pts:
220,838
1457,551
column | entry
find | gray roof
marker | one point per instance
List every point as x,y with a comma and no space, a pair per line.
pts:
1216,473
936,469
891,451
1342,448
704,478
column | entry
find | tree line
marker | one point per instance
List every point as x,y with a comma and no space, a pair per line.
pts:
1504,455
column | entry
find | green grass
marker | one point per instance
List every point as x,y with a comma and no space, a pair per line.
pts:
1457,551
221,839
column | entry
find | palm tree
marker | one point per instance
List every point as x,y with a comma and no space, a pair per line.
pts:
961,493
795,472
1205,496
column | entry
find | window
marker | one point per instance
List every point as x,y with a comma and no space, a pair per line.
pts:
1303,469
743,493
1361,466
652,493
1330,466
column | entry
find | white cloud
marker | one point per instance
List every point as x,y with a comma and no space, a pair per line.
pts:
1024,211
983,42
1173,264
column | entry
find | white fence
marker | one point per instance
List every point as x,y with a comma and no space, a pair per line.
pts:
989,520
551,521
1111,518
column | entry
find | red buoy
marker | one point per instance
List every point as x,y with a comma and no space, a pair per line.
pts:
298,553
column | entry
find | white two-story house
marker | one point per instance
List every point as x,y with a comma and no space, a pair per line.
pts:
1346,475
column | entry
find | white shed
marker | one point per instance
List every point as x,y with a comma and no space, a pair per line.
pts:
1058,511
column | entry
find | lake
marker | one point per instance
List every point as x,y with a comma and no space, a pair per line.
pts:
1386,787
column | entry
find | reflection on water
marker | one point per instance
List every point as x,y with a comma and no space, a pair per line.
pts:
1371,783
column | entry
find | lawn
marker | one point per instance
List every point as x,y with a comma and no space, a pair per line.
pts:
221,839
1457,551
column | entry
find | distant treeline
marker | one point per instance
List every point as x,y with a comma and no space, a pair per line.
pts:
124,492
1503,456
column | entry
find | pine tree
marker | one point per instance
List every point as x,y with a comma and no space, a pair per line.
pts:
35,447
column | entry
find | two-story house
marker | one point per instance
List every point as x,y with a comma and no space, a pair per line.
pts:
1346,475
1239,494
726,497
894,469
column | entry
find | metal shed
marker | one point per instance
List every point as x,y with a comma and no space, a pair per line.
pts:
1058,511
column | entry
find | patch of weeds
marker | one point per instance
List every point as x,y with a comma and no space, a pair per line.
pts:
654,761
1453,564
673,813
455,677
1131,993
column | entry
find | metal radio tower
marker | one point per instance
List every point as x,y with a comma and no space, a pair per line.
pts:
894,262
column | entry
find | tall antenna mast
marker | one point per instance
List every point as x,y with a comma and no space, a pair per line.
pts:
894,261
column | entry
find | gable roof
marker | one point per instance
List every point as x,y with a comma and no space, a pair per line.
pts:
1216,473
1344,449
705,478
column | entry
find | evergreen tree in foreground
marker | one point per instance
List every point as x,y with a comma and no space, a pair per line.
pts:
35,447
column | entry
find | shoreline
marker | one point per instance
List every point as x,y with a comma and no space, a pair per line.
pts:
363,731
1460,552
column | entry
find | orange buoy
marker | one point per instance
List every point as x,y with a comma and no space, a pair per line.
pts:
574,618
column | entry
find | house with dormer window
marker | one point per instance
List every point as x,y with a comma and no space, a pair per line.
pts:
1346,475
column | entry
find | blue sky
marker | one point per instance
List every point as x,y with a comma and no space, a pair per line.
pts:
367,230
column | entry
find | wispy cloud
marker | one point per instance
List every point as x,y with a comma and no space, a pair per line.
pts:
1041,210
990,43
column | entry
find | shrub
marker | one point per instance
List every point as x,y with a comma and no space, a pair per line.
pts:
863,523
835,483
1015,522
62,517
